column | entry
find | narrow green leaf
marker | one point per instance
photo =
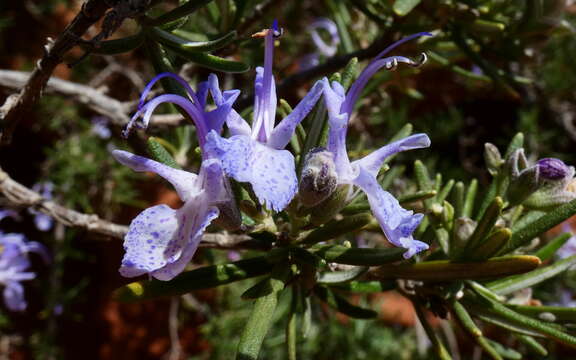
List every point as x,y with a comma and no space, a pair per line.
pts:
162,63
547,251
179,12
211,61
532,344
185,45
422,176
536,325
468,324
261,316
403,7
335,277
318,121
516,143
485,225
201,278
160,154
503,351
366,286
349,73
443,194
444,270
291,325
542,224
458,199
559,314
116,46
261,288
515,283
358,256
490,245
470,199
335,228
342,305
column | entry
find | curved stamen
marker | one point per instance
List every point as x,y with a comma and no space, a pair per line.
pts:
196,114
152,82
375,65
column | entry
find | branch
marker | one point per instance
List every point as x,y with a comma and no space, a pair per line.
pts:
18,106
19,195
116,111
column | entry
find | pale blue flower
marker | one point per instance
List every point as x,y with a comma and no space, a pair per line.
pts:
161,241
397,223
43,222
14,267
255,154
324,48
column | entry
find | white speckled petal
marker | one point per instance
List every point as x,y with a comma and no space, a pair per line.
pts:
183,181
155,237
270,171
199,223
397,223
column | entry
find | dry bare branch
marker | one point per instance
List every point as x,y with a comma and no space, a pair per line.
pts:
19,195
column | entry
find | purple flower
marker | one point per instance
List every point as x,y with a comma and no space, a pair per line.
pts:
328,25
161,241
552,168
397,223
100,127
256,154
42,221
14,266
5,213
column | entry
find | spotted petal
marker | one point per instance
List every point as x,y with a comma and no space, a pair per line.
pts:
184,182
270,171
397,223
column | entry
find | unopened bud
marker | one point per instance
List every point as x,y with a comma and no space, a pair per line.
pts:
326,210
552,169
493,158
524,185
319,178
516,162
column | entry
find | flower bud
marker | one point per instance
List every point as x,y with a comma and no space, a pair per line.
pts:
319,178
516,162
493,158
328,208
527,182
552,169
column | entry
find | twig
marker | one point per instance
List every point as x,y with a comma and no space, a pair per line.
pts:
116,111
17,107
175,351
19,195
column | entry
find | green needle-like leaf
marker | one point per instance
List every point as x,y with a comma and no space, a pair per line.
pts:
342,305
366,286
403,7
547,251
201,278
444,270
335,228
515,283
485,225
181,11
524,235
558,314
358,256
160,154
116,46
175,41
261,316
211,61
335,277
